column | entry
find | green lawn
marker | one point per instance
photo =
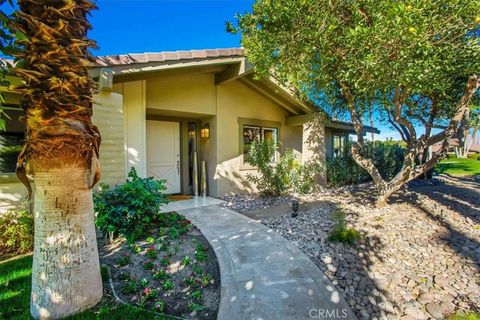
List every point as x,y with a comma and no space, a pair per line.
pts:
457,166
15,283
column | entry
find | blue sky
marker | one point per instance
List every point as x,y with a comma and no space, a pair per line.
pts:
126,26
136,26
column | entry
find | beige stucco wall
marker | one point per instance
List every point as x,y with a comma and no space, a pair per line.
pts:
134,108
121,115
234,101
108,116
12,194
182,92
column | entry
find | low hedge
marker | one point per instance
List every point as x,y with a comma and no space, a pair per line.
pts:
16,233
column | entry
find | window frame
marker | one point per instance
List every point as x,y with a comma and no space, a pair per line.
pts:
10,177
342,140
261,124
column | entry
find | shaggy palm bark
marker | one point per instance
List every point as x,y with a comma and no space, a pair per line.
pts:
60,154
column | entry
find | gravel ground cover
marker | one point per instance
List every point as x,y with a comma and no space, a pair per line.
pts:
418,258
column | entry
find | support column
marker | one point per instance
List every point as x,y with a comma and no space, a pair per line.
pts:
313,146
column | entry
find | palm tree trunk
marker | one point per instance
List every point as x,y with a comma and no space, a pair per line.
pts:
65,277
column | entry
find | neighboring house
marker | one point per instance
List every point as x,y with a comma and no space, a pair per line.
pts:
454,143
154,110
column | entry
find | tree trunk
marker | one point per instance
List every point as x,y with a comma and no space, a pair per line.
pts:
65,273
384,194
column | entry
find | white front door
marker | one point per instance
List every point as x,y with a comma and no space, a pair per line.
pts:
163,153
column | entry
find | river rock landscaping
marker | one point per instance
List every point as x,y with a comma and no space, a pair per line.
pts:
171,270
245,202
418,258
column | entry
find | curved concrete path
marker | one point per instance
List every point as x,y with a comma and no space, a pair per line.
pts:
263,275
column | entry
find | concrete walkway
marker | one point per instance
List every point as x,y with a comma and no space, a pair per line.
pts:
263,275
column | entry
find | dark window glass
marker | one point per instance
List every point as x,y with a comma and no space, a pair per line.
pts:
252,133
338,146
11,140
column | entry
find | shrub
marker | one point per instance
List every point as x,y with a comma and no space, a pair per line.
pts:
104,273
16,232
192,306
129,209
151,252
340,232
160,274
386,155
285,175
148,265
168,285
473,156
130,287
470,315
123,260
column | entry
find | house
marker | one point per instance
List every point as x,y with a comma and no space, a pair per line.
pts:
155,111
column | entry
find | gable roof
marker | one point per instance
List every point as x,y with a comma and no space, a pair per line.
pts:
164,56
238,69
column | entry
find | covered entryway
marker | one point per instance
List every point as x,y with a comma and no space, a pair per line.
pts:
163,153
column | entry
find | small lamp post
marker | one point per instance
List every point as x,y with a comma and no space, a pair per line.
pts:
295,205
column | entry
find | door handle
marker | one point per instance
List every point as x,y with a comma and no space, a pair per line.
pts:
178,166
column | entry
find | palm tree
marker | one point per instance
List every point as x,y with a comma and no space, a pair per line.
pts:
60,154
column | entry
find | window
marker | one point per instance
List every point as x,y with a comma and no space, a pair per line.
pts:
338,145
12,139
258,133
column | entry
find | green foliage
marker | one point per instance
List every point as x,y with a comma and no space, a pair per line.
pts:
473,156
148,265
124,276
197,269
189,281
197,294
410,60
160,274
285,175
192,306
168,285
369,45
186,261
200,256
143,283
159,306
386,155
205,280
165,261
465,316
104,273
151,252
459,166
15,287
123,260
173,233
16,232
131,208
130,287
150,240
341,232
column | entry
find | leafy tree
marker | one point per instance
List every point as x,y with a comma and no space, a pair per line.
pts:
6,43
413,60
60,153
